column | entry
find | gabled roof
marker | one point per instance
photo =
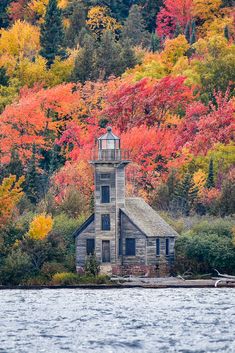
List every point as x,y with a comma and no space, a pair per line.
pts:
84,225
146,219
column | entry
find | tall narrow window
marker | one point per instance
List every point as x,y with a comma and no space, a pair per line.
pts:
105,222
119,246
158,247
105,194
167,246
130,247
90,246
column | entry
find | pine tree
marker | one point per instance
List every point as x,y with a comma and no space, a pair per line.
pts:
15,166
186,193
4,79
134,28
4,20
84,63
193,34
210,182
178,30
128,57
77,21
155,43
52,33
226,33
187,31
32,179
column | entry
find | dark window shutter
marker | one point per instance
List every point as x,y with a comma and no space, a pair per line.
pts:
167,247
119,246
105,194
158,247
105,222
130,247
90,246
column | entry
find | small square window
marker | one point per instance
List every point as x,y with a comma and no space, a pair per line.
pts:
105,222
90,246
130,247
105,194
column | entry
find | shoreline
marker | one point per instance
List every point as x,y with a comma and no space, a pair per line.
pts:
160,285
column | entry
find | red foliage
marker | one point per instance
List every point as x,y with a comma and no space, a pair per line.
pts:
203,126
146,102
174,12
19,10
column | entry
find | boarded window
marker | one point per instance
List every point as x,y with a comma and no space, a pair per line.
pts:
158,247
105,194
104,176
130,247
90,246
105,222
167,247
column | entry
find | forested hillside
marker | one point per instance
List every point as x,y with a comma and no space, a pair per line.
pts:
160,72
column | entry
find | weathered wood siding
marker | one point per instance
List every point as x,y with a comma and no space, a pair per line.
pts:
88,233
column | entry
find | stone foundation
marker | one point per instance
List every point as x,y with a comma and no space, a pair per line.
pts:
159,270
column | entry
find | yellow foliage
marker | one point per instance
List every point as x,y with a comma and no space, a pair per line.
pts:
61,70
216,27
199,179
205,9
40,227
10,194
19,42
29,72
98,20
39,7
174,49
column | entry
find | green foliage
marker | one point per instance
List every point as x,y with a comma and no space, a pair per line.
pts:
92,266
76,13
32,179
4,20
210,183
52,34
185,194
65,279
17,267
134,28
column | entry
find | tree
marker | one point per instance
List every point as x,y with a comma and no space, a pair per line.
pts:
99,21
4,20
193,34
77,12
32,179
134,28
84,68
10,194
52,34
185,194
149,9
210,182
40,227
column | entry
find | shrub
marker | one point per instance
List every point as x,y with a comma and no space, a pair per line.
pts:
65,279
50,268
92,266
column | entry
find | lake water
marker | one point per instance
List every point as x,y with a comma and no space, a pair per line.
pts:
113,320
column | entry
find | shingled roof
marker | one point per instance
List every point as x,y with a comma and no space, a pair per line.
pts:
146,219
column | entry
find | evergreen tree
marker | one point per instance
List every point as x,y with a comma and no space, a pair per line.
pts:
32,179
84,63
56,160
193,34
15,166
108,56
178,30
185,194
76,13
187,31
4,19
128,57
150,8
155,43
52,33
210,182
4,79
134,28
226,33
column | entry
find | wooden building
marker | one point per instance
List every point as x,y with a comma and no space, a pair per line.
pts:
126,234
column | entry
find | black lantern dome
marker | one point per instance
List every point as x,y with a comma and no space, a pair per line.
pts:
109,141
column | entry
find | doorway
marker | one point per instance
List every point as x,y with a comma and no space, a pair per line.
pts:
105,251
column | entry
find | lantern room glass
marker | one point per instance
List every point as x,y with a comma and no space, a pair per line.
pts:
110,144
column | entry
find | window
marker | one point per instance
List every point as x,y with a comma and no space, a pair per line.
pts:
104,176
105,194
119,246
167,247
105,222
130,247
158,247
90,246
